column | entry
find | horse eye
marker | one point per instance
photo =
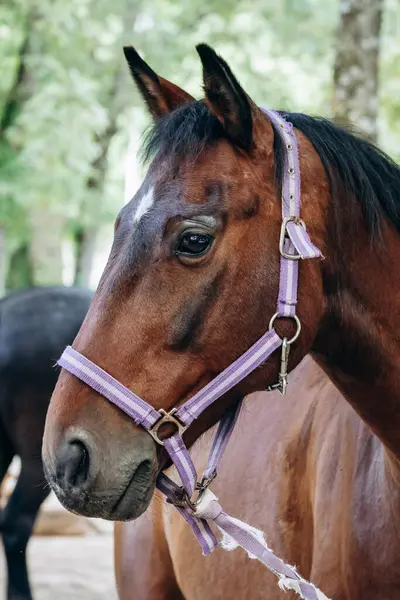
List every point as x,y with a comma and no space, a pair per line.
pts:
192,244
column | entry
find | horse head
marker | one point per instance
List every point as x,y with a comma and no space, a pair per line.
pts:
191,283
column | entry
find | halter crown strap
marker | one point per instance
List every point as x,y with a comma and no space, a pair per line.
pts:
294,244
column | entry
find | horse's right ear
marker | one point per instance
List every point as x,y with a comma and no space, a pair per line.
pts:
160,95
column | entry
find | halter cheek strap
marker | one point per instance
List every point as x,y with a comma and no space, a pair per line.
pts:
196,503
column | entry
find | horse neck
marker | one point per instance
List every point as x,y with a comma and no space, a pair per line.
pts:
358,344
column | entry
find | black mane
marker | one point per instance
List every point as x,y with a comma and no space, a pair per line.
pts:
183,133
355,167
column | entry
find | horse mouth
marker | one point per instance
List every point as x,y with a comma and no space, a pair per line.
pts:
136,496
105,503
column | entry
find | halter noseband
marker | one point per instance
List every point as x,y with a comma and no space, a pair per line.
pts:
196,503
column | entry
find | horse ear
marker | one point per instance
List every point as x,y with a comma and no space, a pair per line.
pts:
160,95
226,98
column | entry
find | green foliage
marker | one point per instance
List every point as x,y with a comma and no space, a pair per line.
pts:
76,110
390,80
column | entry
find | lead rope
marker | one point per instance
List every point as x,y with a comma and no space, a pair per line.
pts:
195,502
206,509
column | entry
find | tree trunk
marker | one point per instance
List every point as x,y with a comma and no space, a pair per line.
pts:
356,65
16,272
20,271
86,236
85,240
21,89
47,232
115,102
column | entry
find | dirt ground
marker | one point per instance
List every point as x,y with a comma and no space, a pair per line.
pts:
70,568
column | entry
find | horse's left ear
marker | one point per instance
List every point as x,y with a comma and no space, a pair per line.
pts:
226,98
160,95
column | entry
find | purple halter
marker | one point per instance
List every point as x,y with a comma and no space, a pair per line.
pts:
196,503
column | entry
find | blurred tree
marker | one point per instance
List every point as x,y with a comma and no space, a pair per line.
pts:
93,209
65,129
17,92
389,121
59,153
356,65
3,259
91,69
19,274
20,89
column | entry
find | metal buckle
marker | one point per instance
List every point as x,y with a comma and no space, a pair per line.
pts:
282,383
166,417
192,503
206,481
284,235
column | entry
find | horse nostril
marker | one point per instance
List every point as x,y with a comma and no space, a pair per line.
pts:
78,464
75,468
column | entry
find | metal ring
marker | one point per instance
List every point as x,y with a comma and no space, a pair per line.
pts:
296,320
193,502
185,501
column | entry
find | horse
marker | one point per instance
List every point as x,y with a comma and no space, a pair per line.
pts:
190,284
35,324
311,464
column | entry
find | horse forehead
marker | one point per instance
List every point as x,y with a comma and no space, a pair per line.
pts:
144,204
169,198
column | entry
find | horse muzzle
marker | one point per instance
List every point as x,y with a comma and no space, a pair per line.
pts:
99,476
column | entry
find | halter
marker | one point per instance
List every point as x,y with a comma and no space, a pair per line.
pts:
194,500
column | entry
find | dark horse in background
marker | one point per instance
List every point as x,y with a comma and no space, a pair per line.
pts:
35,325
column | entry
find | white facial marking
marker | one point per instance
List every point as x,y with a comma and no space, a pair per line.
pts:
146,202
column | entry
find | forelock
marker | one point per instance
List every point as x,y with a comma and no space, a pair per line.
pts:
183,133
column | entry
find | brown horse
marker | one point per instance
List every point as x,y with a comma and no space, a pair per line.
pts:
191,283
306,470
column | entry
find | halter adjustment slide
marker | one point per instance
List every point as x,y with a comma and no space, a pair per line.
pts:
166,417
284,235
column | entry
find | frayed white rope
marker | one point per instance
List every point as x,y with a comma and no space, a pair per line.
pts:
237,533
229,543
286,583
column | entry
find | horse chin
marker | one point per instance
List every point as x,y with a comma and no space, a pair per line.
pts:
131,500
126,507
